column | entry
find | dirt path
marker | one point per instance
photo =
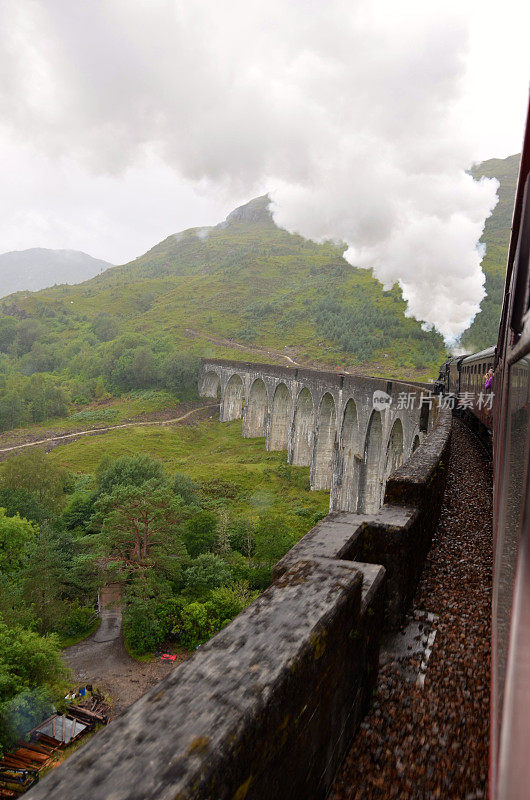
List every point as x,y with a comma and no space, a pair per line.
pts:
355,369
95,431
222,342
103,661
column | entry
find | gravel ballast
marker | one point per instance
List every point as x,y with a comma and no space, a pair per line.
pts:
432,742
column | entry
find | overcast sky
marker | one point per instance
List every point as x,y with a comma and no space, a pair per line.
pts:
123,121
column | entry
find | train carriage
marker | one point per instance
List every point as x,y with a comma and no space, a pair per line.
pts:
503,413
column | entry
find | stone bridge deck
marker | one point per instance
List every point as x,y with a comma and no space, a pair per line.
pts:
326,421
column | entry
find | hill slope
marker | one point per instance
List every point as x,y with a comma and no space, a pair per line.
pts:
242,289
39,267
248,280
483,332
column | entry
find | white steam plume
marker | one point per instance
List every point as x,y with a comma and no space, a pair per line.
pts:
349,110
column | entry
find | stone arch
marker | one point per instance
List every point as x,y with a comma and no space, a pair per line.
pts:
255,424
351,459
211,385
233,398
394,450
303,427
370,475
416,443
279,423
325,443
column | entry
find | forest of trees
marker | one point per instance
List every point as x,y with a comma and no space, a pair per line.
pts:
364,328
185,562
40,378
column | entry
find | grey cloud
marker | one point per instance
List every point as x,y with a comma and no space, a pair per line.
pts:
348,111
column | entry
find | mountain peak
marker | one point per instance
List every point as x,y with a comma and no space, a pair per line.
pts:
256,211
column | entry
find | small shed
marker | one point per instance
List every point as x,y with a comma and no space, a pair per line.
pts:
59,730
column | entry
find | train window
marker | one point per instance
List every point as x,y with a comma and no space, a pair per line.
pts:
521,266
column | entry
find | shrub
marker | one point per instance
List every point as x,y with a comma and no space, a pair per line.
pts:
208,571
227,602
216,487
187,488
128,471
273,538
179,375
23,502
195,627
241,537
78,621
294,475
78,510
143,629
36,473
199,536
105,327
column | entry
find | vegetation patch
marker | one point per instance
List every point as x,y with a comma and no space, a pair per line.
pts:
189,521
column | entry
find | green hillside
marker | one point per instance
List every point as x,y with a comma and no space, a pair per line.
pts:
496,237
243,289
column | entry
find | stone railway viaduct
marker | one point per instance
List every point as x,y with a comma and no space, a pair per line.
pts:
267,709
326,421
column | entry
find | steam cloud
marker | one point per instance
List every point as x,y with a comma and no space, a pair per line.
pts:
347,112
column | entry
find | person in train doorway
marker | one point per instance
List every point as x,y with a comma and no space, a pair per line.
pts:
488,379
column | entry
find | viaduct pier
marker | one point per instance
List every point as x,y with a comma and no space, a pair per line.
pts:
352,432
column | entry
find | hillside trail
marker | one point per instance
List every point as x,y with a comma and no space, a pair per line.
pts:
94,431
221,341
103,661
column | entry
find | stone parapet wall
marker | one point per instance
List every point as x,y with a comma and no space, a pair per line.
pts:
264,710
399,534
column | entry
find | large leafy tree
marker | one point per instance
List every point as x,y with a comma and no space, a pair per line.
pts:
30,671
23,502
45,575
12,411
141,525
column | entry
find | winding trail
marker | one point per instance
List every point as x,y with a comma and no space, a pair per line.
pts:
94,431
233,345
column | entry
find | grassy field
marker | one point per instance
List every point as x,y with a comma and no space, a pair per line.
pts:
250,480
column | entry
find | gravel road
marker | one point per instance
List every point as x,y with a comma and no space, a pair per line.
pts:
103,661
433,742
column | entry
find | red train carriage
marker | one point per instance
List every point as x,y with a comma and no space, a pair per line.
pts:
502,413
510,722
